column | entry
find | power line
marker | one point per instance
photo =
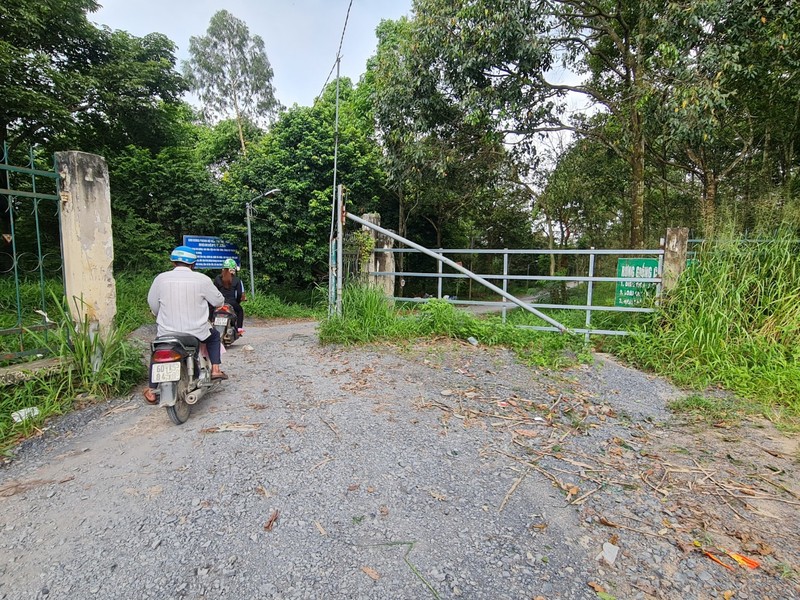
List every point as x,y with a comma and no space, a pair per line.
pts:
339,51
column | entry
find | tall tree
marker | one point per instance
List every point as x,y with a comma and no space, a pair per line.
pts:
725,93
290,231
495,57
230,71
64,81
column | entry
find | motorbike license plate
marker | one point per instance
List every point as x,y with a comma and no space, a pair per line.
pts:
221,321
161,372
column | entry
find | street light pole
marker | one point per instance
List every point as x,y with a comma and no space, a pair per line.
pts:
250,252
249,207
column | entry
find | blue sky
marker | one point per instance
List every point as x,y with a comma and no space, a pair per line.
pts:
301,36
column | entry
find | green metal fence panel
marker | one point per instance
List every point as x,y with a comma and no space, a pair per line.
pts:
31,266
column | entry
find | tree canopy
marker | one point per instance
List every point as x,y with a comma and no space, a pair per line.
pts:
230,71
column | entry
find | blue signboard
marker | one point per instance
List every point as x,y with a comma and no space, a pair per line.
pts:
211,251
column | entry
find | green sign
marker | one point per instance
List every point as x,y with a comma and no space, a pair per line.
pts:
635,293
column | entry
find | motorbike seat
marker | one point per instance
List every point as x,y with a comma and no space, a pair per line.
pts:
187,341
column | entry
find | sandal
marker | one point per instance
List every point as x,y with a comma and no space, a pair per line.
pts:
219,375
150,396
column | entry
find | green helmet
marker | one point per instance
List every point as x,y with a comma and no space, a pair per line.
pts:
229,264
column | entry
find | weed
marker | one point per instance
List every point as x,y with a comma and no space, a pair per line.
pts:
708,408
91,366
733,320
367,316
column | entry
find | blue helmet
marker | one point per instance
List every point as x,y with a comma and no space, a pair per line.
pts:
183,254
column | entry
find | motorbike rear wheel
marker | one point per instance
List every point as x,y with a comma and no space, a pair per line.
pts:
179,413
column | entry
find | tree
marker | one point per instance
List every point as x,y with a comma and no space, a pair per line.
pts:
291,230
446,167
494,59
65,82
230,71
726,100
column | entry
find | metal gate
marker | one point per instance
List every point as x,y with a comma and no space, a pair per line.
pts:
31,266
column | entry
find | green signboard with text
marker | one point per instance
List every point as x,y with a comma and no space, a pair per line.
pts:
635,293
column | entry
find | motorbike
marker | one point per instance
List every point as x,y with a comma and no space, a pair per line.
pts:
225,323
180,366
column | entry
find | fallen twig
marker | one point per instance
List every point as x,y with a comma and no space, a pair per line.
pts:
580,499
514,486
607,523
331,427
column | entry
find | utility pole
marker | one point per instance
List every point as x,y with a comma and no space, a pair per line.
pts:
250,253
249,208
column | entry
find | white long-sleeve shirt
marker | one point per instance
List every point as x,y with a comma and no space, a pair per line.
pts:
179,299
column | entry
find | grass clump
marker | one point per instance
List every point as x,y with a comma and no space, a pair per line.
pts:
90,367
368,316
733,320
270,306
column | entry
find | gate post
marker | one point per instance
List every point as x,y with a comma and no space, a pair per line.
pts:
86,241
380,261
675,245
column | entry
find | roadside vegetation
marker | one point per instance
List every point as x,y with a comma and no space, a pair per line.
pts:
368,316
85,368
422,139
732,322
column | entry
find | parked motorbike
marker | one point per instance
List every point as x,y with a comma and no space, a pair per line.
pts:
180,366
225,323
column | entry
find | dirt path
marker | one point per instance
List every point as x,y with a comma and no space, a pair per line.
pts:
435,469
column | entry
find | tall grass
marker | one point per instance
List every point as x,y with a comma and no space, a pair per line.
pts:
269,306
132,308
368,316
733,321
89,367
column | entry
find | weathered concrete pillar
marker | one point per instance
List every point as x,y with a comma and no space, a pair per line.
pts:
371,264
380,261
675,245
86,241
385,262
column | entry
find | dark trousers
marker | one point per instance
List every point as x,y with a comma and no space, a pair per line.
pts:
237,308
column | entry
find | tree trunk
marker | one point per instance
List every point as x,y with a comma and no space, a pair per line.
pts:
637,181
401,230
709,207
241,133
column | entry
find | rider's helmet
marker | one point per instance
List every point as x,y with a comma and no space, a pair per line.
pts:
229,264
183,254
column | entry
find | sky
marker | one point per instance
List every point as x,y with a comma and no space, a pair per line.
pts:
301,37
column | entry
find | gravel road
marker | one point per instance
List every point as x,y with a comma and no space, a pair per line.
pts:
427,470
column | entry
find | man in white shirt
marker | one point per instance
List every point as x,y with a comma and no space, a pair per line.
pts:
179,299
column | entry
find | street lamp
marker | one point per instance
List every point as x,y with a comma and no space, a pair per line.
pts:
249,205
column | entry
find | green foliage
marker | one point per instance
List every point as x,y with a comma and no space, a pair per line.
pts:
230,72
67,83
367,316
442,160
269,306
291,230
157,198
132,308
91,367
733,320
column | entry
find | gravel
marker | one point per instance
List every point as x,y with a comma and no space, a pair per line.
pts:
428,470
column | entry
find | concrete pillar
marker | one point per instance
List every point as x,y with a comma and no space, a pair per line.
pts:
371,264
86,241
380,261
675,245
385,262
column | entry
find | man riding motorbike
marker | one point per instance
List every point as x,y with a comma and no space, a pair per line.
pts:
232,289
179,299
